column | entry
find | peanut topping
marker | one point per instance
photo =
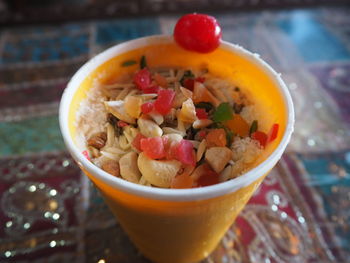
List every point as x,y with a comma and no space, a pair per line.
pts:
98,140
111,167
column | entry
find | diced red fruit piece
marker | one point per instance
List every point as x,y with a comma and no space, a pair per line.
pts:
165,140
185,153
198,32
261,137
201,114
136,142
164,101
151,89
86,154
153,147
171,151
142,79
238,125
208,178
122,124
147,107
272,135
189,84
216,138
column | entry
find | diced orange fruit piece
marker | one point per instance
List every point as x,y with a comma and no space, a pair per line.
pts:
216,138
238,125
183,180
132,106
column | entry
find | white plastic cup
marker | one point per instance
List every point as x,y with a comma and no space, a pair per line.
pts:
180,225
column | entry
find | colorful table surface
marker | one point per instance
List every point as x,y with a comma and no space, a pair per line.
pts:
301,213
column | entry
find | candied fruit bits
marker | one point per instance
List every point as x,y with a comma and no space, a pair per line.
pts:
153,147
142,79
185,153
164,101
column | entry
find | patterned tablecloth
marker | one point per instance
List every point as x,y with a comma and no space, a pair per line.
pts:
301,213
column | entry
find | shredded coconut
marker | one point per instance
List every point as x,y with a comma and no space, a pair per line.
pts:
249,114
91,116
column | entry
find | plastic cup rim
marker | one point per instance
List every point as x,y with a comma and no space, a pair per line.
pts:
191,194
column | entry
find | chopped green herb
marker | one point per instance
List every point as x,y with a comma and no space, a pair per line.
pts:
128,63
143,62
187,75
205,105
237,89
223,112
253,127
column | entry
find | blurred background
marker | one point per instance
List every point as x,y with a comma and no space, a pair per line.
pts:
49,212
29,11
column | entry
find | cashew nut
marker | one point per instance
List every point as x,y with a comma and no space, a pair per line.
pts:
168,130
158,118
118,110
225,174
174,137
158,173
128,167
218,157
149,128
132,106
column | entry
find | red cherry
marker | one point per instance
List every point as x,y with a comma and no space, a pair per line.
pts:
198,32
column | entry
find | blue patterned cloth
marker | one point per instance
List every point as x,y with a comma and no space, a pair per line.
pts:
301,213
